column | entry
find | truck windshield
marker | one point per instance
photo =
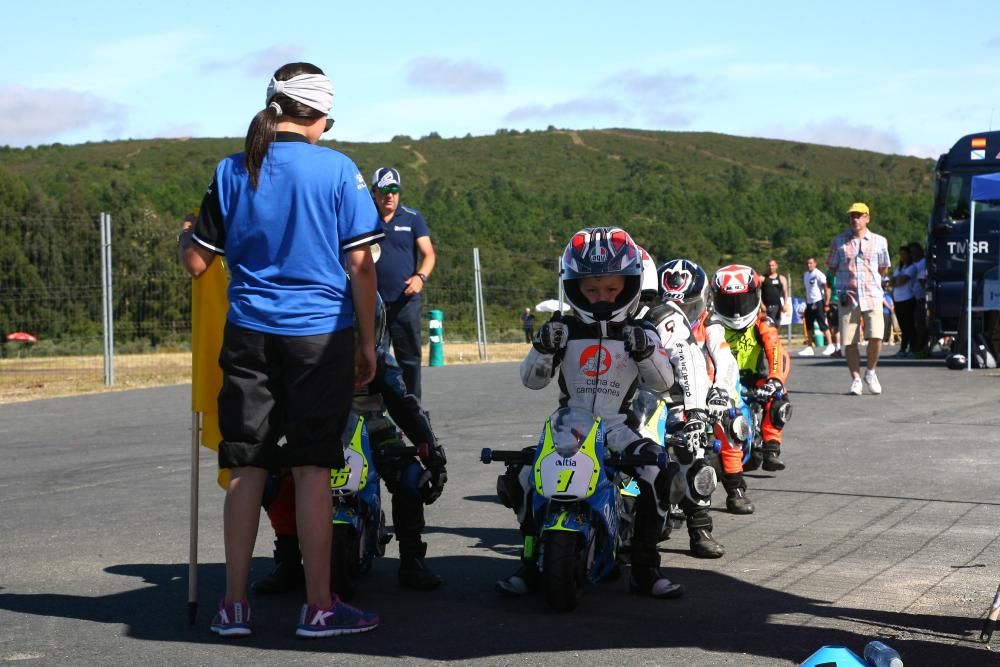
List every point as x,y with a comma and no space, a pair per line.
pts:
956,200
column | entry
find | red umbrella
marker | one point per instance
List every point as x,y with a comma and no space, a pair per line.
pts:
22,336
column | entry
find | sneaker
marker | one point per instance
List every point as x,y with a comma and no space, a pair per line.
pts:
339,618
807,352
872,381
828,350
525,580
232,620
837,353
856,387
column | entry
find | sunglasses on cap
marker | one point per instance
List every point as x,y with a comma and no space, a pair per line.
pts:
389,189
329,125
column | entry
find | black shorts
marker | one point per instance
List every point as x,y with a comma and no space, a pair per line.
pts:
299,387
833,316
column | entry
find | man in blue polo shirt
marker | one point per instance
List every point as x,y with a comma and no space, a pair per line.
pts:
401,277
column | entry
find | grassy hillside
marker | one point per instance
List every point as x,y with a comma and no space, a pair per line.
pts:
516,196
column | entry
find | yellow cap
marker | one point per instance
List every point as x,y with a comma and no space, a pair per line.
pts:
858,207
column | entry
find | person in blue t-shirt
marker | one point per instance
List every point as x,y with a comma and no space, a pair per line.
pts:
401,277
293,220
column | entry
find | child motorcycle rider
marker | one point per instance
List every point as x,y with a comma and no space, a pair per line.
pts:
692,401
600,352
763,362
685,283
386,392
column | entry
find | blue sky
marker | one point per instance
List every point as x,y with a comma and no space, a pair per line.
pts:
895,77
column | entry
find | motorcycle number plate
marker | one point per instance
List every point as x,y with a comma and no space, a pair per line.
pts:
567,478
347,480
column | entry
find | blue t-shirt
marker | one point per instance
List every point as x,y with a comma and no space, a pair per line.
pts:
398,260
284,241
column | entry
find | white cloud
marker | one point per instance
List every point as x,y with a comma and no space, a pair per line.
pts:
40,115
260,63
839,132
453,76
580,106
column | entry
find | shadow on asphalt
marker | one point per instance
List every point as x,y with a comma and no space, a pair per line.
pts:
466,620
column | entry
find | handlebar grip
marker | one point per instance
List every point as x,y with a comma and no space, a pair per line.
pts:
505,456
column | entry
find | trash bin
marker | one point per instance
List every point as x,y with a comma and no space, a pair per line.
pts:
435,336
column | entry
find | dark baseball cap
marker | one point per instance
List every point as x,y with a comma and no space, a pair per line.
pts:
386,176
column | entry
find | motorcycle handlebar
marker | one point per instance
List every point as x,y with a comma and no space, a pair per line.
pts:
506,456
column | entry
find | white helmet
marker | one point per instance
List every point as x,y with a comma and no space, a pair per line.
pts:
736,295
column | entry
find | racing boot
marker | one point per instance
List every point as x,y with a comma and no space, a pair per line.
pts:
737,501
703,544
646,577
413,571
772,453
287,574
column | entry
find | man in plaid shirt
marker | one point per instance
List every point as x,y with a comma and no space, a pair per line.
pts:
861,258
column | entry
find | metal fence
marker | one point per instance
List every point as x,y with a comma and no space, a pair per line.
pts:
52,286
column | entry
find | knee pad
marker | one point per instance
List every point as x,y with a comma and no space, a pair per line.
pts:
780,412
701,480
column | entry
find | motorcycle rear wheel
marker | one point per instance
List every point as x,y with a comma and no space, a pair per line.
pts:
562,570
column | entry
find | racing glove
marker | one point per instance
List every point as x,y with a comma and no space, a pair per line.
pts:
771,387
717,402
551,337
696,429
637,343
435,474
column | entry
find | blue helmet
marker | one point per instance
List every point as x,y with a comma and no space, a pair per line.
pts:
597,252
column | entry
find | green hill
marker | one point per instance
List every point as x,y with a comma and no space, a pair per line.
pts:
517,196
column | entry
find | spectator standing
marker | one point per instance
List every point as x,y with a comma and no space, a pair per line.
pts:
888,311
918,277
528,324
293,221
860,258
902,295
817,303
774,292
404,266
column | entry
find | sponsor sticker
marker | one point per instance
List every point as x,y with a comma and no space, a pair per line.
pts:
977,155
595,360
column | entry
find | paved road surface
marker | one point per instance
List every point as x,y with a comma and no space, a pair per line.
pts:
883,526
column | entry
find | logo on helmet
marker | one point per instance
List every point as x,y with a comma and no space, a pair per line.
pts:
675,284
595,360
599,254
734,279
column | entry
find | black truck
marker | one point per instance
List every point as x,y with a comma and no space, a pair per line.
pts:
948,233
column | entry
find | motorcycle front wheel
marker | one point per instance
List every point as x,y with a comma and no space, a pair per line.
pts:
562,570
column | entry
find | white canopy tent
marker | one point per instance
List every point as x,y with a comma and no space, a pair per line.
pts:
984,188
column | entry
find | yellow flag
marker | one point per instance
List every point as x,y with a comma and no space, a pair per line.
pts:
209,305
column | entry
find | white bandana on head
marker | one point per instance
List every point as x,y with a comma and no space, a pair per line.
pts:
313,90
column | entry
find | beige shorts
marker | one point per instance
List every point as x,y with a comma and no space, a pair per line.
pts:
850,325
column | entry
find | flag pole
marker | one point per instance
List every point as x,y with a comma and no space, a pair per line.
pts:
192,604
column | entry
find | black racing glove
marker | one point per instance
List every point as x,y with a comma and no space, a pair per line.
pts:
551,337
435,474
717,402
637,343
696,429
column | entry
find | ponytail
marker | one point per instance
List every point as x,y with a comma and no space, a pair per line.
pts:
260,134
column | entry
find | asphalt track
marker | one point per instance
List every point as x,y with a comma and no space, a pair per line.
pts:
884,525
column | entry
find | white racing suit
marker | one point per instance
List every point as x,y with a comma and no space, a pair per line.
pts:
687,396
596,373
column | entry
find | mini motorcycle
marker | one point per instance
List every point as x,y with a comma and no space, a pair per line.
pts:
576,503
359,532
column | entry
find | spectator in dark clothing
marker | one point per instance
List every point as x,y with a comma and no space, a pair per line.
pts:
528,323
401,277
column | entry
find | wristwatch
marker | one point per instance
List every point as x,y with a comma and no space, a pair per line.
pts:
423,278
